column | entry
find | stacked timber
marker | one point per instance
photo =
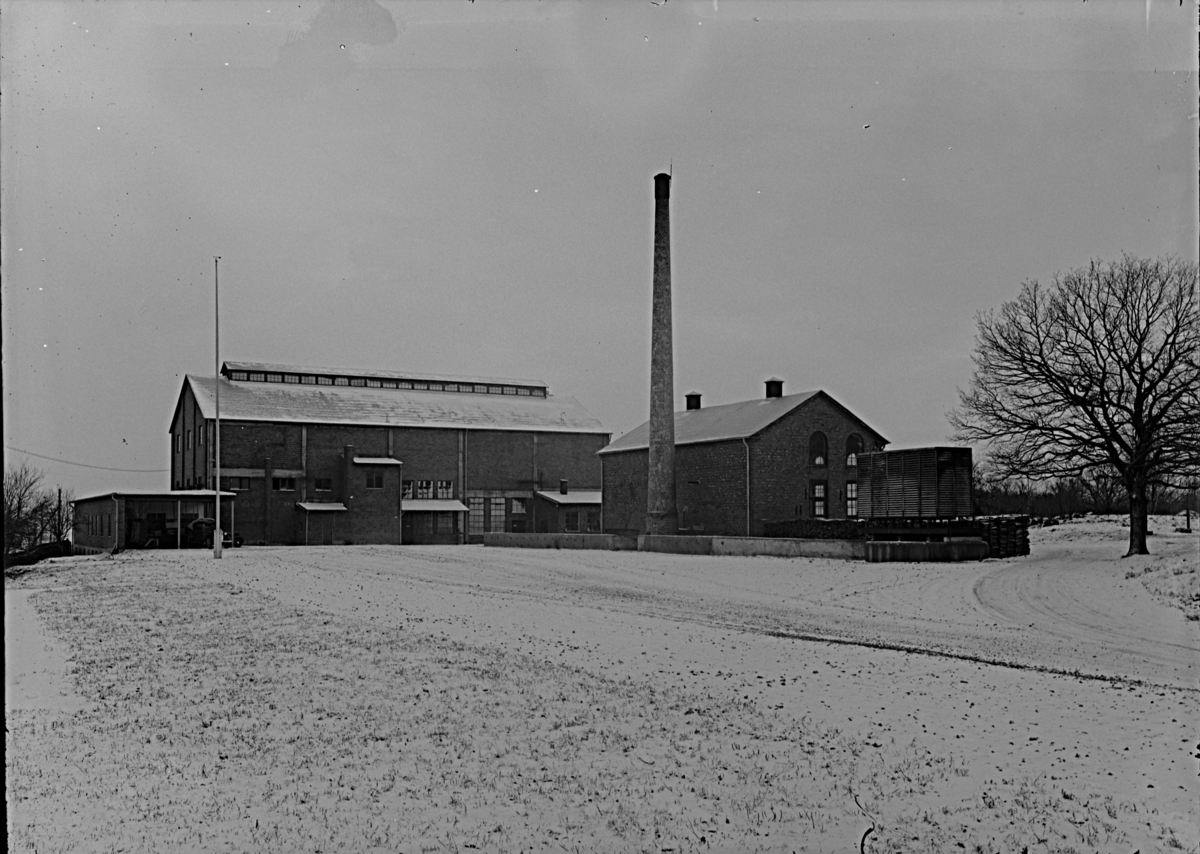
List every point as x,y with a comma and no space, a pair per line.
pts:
917,483
1007,536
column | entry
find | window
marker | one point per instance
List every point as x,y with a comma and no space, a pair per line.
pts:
508,389
235,484
818,449
237,375
178,445
257,378
200,435
475,515
496,516
388,383
851,499
358,383
308,379
406,489
524,392
274,378
571,521
593,521
818,499
323,484
539,392
495,389
291,378
404,384
424,489
341,381
451,386
435,386
445,489
518,506
445,523
189,439
421,386
283,484
375,480
480,389
374,384
324,381
854,446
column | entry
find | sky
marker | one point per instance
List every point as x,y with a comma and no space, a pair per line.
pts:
467,188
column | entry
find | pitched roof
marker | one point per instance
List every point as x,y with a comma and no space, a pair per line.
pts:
381,407
729,421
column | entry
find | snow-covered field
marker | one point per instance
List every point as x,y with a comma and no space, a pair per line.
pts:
453,698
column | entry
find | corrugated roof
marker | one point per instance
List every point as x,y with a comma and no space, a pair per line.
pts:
381,407
582,496
266,367
722,423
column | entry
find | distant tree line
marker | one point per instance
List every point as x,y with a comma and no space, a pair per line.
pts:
33,514
1098,491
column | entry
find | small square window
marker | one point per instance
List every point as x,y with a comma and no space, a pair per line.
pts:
375,480
518,506
283,484
323,484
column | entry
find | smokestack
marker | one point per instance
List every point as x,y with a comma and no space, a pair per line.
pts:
661,514
774,388
693,399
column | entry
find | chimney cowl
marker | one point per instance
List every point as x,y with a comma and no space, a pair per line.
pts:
774,387
693,399
562,487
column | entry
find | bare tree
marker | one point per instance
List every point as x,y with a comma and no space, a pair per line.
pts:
24,507
1101,368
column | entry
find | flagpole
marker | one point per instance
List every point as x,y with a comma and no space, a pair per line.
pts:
217,536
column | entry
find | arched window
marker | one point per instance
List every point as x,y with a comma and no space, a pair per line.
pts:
818,449
854,447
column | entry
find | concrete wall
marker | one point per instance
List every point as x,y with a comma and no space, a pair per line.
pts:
608,542
734,546
956,550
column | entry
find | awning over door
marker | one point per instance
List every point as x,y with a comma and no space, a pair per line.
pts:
432,505
320,505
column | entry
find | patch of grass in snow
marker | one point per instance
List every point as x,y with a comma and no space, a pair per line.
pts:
224,721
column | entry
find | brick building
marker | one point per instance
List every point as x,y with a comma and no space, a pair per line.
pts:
321,455
742,464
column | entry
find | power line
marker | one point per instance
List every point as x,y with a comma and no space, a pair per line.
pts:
83,465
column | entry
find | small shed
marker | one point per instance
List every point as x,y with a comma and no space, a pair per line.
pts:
138,519
566,512
916,483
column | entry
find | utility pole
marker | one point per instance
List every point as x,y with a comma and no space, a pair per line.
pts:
217,537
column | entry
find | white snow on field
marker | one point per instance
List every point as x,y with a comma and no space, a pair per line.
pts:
384,698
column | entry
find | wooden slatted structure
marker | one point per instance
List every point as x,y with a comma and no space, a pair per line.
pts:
916,483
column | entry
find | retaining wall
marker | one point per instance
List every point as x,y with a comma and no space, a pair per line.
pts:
956,550
609,542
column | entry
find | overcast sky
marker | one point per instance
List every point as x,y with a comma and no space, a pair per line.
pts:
466,188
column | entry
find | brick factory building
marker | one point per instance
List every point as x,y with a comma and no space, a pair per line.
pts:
740,465
321,455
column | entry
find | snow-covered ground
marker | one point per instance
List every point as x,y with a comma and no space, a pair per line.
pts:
450,698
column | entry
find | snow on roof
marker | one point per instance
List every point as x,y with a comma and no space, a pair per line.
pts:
323,404
159,494
721,423
265,367
432,505
582,496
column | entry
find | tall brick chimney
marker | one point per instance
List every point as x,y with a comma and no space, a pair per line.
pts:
662,516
